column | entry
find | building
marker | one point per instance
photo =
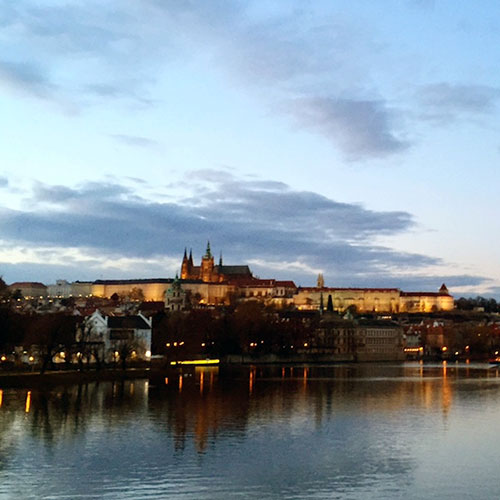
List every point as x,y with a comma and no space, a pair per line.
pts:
208,272
118,334
334,335
175,297
29,289
380,300
379,341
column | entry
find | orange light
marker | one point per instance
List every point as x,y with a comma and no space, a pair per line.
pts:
27,406
444,348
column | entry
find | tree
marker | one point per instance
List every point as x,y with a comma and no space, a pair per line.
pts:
51,333
329,305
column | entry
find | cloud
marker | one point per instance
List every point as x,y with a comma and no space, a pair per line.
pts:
361,128
288,53
134,140
4,182
284,232
26,77
443,102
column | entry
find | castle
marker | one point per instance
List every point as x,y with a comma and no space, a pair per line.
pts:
217,284
208,272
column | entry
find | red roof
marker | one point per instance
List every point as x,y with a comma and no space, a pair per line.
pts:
316,289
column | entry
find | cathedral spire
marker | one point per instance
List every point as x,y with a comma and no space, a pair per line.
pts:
209,253
185,254
191,257
220,260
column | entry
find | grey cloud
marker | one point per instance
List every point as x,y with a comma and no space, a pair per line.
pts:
26,77
136,141
443,101
272,223
361,128
4,182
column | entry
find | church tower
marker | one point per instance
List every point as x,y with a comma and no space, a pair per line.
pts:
321,281
185,267
207,265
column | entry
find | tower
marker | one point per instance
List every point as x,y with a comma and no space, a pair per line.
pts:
321,281
185,267
207,265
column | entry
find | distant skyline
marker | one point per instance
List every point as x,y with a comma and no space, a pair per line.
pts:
356,139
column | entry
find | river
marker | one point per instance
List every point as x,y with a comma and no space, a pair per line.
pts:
377,431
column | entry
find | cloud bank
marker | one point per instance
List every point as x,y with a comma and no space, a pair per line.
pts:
110,229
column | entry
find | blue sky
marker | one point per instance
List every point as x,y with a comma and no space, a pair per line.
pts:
358,139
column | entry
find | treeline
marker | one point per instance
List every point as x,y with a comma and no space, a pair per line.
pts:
478,303
250,327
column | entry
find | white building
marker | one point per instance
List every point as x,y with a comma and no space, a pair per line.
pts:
119,334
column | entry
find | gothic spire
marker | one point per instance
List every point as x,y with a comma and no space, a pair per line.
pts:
209,253
220,260
190,256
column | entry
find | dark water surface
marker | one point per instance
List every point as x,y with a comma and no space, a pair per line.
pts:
343,432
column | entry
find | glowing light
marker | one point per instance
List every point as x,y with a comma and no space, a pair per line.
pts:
148,354
196,362
305,344
62,354
166,380
116,354
181,343
1,397
27,406
444,348
175,344
3,358
168,344
31,359
203,344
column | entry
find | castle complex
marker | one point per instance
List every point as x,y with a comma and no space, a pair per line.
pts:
211,285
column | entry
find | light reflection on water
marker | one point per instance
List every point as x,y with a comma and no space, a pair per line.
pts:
347,432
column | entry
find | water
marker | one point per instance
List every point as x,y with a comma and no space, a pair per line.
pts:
334,432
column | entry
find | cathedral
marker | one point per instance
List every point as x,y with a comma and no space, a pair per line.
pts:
208,272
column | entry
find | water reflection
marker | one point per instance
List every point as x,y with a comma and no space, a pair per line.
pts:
275,432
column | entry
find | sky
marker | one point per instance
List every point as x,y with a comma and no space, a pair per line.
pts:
356,139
